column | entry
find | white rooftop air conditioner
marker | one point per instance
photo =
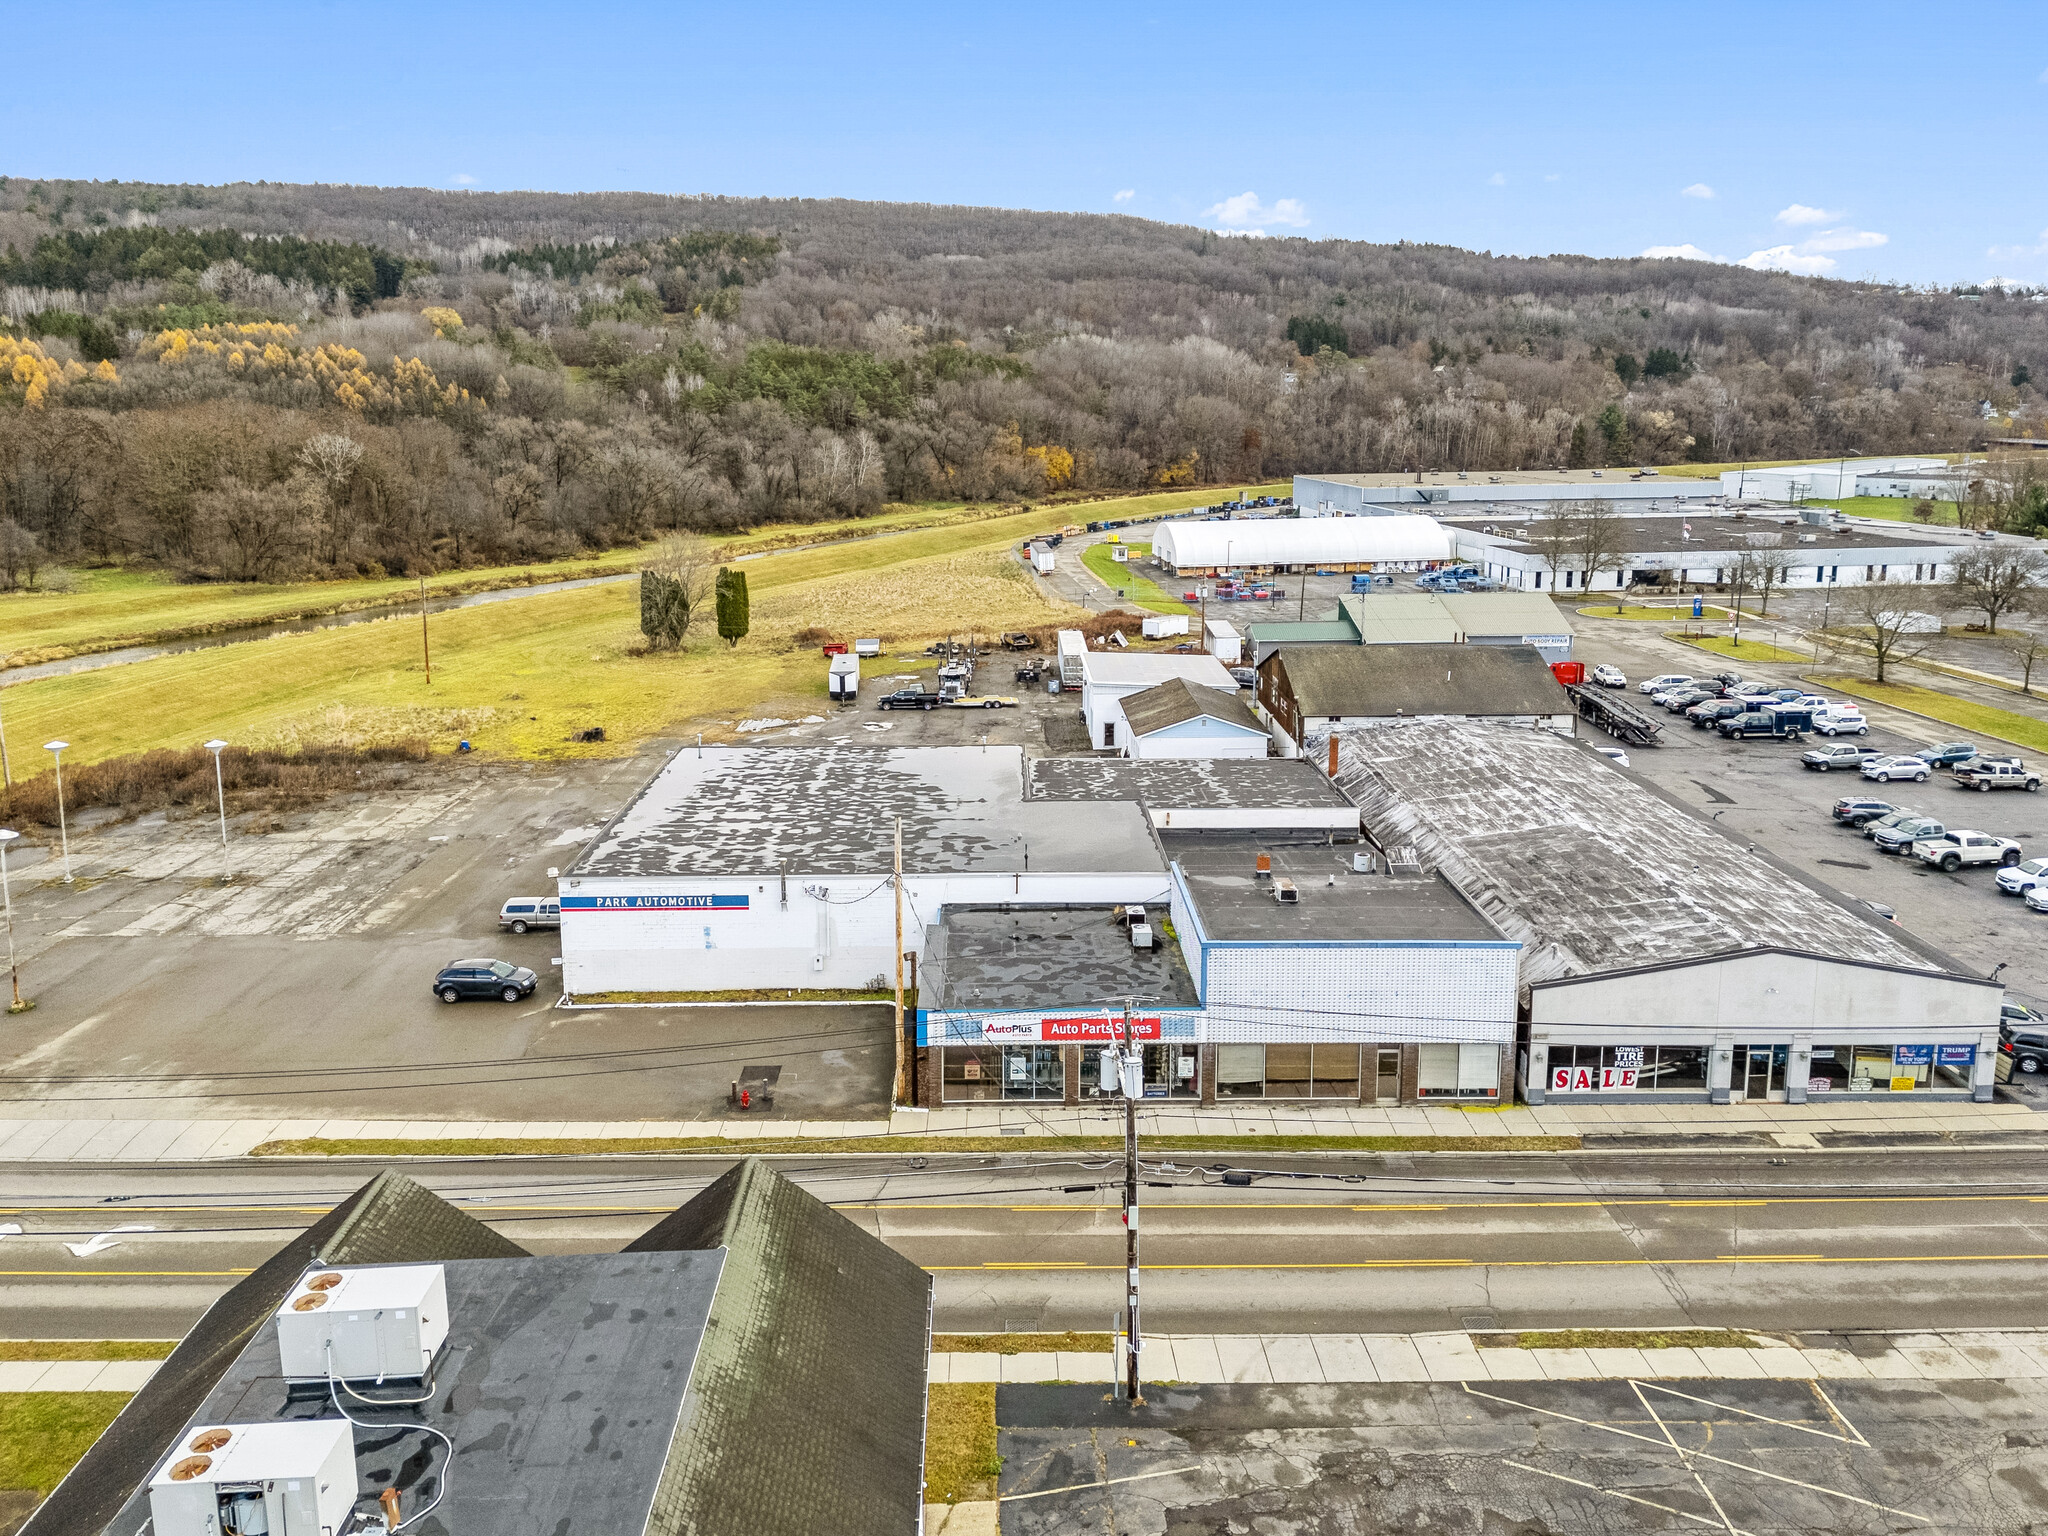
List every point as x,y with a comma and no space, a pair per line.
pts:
371,1324
1141,935
1284,890
296,1479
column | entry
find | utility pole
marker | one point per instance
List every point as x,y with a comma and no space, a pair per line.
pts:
1131,1079
896,1083
6,771
426,656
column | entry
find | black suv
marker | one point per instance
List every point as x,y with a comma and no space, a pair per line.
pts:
1712,712
1855,810
2027,1047
484,978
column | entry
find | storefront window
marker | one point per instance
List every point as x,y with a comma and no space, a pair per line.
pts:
976,1072
1458,1071
1291,1071
1173,1071
1890,1068
1628,1068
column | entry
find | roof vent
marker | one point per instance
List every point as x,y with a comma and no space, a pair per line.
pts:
292,1479
1284,890
368,1324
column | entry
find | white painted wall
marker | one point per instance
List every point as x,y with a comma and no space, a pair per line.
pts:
837,930
1198,738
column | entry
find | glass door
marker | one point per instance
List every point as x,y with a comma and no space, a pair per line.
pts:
1764,1074
1387,1087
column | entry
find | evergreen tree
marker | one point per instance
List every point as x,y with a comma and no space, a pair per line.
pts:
732,605
1621,443
1626,368
1576,458
664,614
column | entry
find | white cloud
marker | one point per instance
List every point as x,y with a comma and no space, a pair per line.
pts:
1698,189
1497,179
1787,258
2011,252
1553,176
1799,213
1844,240
1687,252
1126,195
462,179
1245,209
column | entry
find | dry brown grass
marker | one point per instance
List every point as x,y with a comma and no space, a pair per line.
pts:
983,591
153,781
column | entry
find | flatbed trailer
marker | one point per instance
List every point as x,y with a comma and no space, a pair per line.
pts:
1624,722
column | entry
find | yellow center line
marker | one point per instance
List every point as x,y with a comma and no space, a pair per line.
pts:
1793,1258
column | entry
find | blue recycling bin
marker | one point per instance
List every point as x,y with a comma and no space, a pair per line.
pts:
1698,611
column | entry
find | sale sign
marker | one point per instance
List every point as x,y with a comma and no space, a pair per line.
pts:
1593,1079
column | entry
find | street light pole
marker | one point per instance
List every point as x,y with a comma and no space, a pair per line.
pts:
56,750
7,898
221,793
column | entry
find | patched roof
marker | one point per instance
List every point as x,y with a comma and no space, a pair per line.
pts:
1179,701
390,1220
1376,681
832,810
998,958
808,1401
1588,867
1400,618
1220,783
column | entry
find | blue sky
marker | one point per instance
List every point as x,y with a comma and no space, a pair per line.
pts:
1873,139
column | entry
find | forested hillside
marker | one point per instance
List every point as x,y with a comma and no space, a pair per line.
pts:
269,381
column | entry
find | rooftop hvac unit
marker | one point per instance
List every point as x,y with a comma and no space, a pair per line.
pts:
1284,890
1361,864
368,1324
296,1479
1141,935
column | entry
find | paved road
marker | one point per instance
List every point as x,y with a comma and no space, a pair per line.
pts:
1819,1241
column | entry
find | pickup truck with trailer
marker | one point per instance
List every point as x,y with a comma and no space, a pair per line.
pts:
983,701
1952,850
908,698
1778,724
1989,773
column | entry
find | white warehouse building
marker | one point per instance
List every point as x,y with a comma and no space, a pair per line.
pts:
738,867
1395,542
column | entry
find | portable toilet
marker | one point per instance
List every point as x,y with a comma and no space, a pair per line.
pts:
842,681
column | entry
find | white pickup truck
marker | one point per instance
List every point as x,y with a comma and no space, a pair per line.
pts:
1952,850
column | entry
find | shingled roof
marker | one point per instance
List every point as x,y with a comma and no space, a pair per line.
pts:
1383,681
1178,701
390,1220
806,1408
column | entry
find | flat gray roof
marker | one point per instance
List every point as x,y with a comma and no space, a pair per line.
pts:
1183,784
1723,534
833,810
1590,867
1336,903
1027,957
560,1384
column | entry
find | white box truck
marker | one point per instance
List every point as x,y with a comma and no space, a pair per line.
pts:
1041,561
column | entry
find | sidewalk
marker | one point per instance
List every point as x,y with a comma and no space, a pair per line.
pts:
1283,1359
1289,1359
1792,1126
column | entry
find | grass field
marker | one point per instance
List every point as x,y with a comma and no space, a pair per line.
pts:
1748,650
1970,718
42,1434
115,608
1138,589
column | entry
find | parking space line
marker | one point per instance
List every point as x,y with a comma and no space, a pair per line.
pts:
1110,1482
1616,1493
1851,1438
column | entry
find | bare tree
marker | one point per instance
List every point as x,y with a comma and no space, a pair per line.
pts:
675,586
1769,570
1890,628
1995,579
2026,648
1555,541
1599,545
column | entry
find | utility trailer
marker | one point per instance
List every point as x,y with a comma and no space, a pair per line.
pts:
1624,722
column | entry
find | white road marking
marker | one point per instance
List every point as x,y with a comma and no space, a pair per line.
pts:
1616,1493
1721,1461
11,1229
1852,1438
103,1241
1046,1493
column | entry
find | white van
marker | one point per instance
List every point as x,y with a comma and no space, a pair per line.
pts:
524,912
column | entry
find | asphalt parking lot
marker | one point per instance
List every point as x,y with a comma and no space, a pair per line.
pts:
1520,1458
1758,790
302,987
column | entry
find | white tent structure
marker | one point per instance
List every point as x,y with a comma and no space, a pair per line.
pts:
1404,541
